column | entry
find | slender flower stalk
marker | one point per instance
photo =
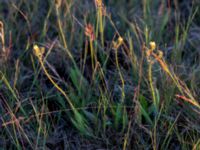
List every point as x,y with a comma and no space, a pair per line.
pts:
101,11
38,52
158,56
89,32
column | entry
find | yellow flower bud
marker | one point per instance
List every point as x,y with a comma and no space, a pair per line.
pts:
38,51
152,45
118,43
120,40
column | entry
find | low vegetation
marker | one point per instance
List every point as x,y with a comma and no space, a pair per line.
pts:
83,74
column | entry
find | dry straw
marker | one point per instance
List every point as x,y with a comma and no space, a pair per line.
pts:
2,36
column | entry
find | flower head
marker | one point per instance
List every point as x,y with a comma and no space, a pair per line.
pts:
152,45
120,40
118,43
38,51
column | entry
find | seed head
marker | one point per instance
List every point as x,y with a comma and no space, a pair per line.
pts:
89,31
58,3
100,6
98,3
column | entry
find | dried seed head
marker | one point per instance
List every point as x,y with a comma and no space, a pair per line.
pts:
89,31
152,45
103,11
58,3
98,3
100,6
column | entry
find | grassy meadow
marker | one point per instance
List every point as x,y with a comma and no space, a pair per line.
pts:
93,74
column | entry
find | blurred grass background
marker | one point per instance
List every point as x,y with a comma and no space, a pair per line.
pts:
114,97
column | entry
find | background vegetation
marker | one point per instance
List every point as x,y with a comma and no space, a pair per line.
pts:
111,75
